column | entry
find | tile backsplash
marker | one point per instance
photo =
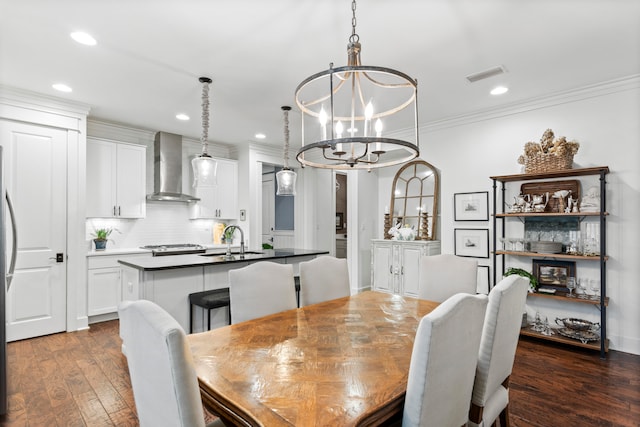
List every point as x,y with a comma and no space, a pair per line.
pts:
165,223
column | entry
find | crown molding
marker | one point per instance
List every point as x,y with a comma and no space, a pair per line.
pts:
591,91
46,103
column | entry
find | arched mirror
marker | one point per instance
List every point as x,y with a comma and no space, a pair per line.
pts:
414,199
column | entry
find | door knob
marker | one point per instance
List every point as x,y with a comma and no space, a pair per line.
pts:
58,258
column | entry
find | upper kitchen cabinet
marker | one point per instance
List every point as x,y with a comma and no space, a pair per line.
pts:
219,201
116,183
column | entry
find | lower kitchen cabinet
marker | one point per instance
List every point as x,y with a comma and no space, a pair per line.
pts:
395,264
107,285
104,291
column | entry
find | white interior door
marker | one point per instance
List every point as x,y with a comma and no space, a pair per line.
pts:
268,209
35,168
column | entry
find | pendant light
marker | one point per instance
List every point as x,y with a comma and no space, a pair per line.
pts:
286,177
356,116
204,166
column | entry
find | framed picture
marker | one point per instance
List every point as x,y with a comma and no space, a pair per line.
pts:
471,206
553,274
339,220
483,279
471,242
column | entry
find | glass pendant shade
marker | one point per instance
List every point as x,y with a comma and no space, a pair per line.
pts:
286,179
204,171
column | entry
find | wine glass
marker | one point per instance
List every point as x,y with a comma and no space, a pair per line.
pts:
571,285
503,240
581,290
595,287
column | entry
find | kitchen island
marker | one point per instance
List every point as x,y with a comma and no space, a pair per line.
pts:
168,280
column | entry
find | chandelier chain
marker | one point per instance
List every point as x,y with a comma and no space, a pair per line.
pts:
354,37
286,138
205,116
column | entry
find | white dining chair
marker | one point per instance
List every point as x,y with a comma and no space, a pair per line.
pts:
500,334
261,289
163,378
322,279
443,363
444,275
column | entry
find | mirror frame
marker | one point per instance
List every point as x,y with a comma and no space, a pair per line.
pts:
418,166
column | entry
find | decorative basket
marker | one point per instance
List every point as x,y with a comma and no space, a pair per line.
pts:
548,162
549,154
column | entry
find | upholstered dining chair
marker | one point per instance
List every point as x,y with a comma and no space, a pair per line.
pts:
164,382
260,289
444,275
322,279
500,333
443,362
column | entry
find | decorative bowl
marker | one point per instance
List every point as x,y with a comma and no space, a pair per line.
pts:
578,324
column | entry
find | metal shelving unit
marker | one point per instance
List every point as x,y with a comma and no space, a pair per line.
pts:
499,214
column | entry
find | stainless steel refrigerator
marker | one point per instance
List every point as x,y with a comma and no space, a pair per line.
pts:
6,274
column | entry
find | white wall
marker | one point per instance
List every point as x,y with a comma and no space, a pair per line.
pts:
604,119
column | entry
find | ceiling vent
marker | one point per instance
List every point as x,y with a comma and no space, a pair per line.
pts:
486,74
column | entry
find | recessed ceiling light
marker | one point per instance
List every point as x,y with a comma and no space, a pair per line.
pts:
83,38
499,90
260,136
182,117
61,87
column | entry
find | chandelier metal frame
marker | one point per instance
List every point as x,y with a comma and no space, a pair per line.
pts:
367,150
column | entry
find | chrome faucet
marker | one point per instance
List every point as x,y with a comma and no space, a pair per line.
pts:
224,233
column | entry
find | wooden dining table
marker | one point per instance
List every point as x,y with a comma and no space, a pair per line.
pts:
343,362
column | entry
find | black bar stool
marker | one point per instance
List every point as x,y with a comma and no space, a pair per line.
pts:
209,300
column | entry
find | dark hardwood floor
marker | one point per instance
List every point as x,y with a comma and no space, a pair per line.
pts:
81,379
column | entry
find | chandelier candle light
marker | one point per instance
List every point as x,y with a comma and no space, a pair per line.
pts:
204,166
346,112
286,177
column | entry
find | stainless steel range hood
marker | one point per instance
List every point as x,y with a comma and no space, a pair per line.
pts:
167,169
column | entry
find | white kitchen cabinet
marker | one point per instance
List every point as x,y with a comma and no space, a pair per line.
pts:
116,183
218,201
108,284
105,290
395,264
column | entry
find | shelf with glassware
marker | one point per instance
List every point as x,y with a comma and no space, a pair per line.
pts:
544,208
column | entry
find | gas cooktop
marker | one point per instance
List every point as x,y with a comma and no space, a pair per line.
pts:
175,249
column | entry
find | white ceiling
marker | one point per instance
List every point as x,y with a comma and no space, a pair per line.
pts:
149,55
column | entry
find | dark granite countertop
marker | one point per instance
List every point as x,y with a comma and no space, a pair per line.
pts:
210,259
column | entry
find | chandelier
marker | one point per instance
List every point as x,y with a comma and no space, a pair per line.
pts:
356,116
286,177
204,166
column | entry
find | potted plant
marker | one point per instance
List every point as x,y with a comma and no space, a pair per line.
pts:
533,281
100,237
228,236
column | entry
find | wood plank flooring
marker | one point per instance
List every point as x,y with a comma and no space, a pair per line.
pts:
81,379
